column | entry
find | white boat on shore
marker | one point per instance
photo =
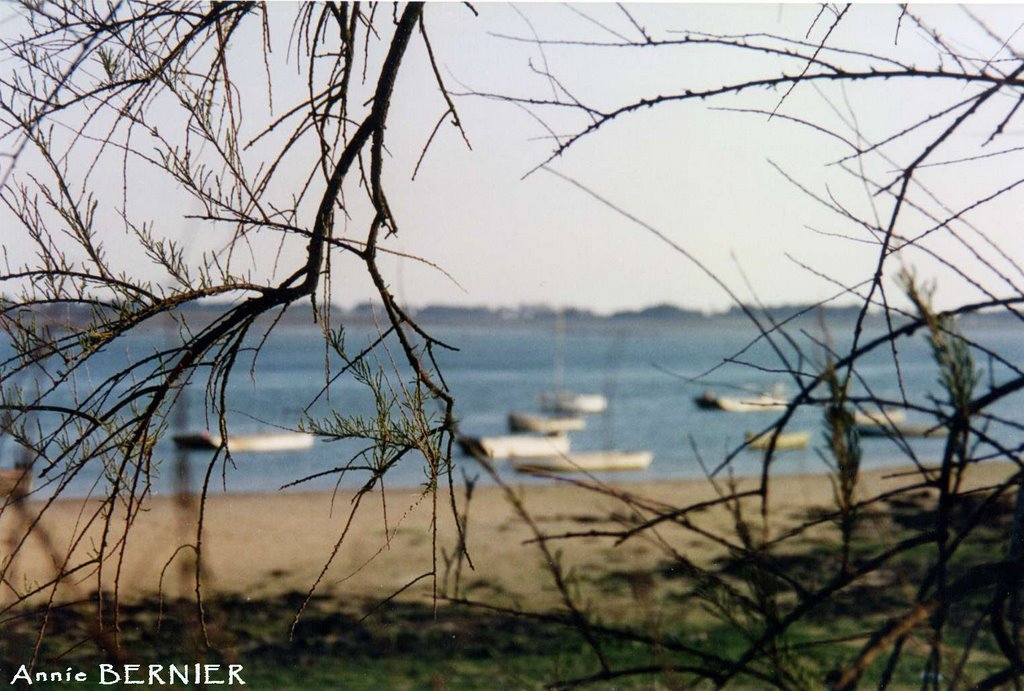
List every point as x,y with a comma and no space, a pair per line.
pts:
524,422
519,445
569,403
270,441
585,462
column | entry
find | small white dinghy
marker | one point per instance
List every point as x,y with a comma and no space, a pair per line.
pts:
270,441
523,422
585,462
521,445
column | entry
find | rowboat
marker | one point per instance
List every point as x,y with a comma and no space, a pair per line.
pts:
786,440
520,445
270,441
523,422
586,462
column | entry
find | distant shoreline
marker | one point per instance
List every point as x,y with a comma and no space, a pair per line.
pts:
542,316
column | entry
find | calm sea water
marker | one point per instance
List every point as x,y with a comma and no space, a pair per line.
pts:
498,370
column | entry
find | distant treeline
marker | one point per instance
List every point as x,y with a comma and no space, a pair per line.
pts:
661,314
540,315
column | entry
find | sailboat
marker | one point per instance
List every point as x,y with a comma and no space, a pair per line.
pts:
560,400
573,403
600,460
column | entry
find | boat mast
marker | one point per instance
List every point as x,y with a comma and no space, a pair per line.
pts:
559,351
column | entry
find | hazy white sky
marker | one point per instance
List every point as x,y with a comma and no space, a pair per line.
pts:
706,178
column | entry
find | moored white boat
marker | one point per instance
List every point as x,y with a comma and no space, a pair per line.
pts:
882,416
520,445
270,441
786,440
523,422
585,462
745,404
573,403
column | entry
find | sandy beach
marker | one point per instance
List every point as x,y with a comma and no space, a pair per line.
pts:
263,545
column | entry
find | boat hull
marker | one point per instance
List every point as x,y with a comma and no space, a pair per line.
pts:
920,431
587,462
753,404
519,445
573,403
284,441
785,441
885,416
521,422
